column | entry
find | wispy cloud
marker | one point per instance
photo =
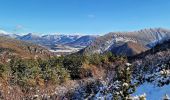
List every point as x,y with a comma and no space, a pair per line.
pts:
91,16
18,27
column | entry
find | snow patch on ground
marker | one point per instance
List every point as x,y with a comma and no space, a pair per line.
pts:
152,92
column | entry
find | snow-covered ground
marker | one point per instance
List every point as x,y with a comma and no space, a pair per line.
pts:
152,92
66,49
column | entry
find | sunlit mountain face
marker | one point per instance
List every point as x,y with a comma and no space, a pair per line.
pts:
123,43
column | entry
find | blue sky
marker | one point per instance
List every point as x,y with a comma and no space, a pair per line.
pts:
82,16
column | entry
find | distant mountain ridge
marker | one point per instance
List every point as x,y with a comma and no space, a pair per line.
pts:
120,43
56,42
148,38
52,40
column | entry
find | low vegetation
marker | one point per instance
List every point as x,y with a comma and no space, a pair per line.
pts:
32,73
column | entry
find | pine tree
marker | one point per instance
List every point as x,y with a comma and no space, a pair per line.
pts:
126,87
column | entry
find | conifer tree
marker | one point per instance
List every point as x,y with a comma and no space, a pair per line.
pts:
126,86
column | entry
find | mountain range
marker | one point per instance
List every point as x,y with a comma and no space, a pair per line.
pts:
55,43
56,39
119,43
128,43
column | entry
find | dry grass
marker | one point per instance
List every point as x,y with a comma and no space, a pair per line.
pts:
22,49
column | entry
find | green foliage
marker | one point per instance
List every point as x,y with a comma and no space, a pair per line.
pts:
104,59
3,70
31,72
95,59
124,76
22,71
73,63
53,70
110,56
56,70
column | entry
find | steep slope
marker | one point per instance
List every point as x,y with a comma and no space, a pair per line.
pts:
129,49
152,61
146,37
157,51
9,47
152,70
